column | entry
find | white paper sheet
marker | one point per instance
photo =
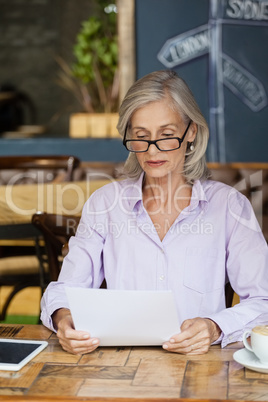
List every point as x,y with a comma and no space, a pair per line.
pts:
124,317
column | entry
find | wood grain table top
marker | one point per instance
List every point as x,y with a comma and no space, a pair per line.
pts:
127,374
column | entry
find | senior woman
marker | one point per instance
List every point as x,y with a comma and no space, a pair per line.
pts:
167,227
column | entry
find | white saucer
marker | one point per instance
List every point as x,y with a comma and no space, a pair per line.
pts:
250,361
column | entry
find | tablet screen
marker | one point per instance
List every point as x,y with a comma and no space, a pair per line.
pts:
14,354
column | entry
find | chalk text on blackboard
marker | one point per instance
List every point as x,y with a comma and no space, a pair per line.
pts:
185,47
247,10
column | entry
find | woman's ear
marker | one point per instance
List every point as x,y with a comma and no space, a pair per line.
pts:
192,132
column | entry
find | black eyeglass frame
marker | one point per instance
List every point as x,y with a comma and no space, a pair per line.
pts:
154,142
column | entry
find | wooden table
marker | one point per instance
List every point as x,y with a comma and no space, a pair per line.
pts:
19,202
143,373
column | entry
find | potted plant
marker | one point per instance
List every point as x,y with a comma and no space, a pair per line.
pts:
93,77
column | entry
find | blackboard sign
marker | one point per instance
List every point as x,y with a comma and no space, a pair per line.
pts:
220,48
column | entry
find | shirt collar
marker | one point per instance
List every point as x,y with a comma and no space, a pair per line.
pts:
198,195
134,193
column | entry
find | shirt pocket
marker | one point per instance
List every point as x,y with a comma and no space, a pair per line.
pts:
204,269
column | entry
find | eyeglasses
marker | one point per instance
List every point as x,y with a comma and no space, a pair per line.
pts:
164,144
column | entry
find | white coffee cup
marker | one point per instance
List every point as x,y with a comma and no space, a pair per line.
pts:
259,342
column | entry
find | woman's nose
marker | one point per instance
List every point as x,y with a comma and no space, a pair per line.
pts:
152,150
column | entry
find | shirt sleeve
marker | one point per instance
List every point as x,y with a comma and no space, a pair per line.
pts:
83,265
247,271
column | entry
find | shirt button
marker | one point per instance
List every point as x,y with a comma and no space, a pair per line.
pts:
162,277
162,251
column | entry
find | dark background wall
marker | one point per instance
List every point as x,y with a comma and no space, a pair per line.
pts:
244,39
32,34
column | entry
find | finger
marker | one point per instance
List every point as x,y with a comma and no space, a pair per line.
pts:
91,343
199,351
177,349
78,351
193,327
189,330
79,347
199,348
189,350
77,335
73,334
181,347
185,339
186,324
190,345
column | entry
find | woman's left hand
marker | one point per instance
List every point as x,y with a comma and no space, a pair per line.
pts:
195,338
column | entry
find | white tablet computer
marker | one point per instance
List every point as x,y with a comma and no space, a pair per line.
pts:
15,353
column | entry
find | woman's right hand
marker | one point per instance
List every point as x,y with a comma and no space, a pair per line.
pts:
71,340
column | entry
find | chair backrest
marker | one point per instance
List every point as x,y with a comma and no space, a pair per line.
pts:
56,231
229,295
26,168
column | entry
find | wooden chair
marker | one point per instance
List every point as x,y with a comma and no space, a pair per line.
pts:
23,266
56,231
229,295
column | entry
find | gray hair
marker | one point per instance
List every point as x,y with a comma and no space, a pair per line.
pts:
155,87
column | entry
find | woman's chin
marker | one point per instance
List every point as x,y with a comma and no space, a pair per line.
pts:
156,172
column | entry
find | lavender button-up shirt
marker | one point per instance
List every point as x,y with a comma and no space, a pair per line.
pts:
214,240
